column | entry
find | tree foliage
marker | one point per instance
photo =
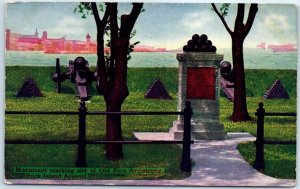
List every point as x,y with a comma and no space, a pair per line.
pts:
224,9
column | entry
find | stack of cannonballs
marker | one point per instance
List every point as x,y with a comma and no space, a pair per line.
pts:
199,44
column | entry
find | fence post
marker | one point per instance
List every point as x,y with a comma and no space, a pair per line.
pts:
259,163
58,83
81,161
185,164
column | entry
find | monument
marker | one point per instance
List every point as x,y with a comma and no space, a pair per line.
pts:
199,83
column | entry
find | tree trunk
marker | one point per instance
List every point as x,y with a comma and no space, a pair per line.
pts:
113,77
113,132
240,112
101,69
116,98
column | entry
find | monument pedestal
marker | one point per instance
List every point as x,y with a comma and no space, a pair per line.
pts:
199,83
214,131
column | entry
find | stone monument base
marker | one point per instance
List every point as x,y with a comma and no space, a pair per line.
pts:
199,131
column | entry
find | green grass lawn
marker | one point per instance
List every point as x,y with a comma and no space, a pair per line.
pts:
65,127
278,158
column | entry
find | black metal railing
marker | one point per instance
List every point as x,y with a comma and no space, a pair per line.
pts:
259,162
81,142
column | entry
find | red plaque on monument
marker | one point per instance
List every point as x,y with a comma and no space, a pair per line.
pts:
200,83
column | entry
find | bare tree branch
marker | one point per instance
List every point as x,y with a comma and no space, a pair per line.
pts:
240,13
101,68
113,17
222,19
114,30
136,10
99,23
239,19
105,18
128,21
251,16
96,15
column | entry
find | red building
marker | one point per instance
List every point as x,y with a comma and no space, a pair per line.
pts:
19,42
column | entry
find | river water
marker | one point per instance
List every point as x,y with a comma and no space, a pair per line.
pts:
253,58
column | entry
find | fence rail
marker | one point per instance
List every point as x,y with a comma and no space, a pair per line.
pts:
93,113
95,142
280,114
185,164
259,162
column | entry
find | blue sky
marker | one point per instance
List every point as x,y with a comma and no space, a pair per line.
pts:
168,25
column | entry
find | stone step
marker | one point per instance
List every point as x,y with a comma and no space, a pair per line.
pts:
157,136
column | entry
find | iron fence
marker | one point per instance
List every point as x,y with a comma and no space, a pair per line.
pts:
259,162
185,164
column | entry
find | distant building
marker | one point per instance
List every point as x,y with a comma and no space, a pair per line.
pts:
146,48
261,45
20,42
279,48
283,48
